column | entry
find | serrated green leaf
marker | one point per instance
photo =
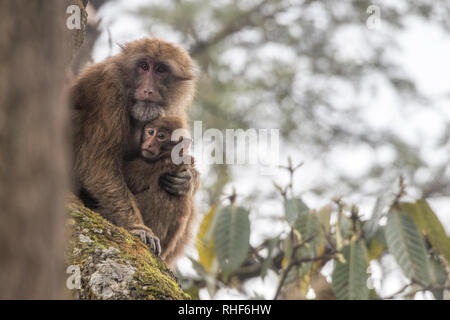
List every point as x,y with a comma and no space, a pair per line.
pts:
349,279
287,248
231,237
439,277
309,226
268,261
375,249
429,225
377,244
293,208
346,227
382,204
324,215
380,236
205,240
407,247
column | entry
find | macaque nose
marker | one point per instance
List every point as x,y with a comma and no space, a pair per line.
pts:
149,91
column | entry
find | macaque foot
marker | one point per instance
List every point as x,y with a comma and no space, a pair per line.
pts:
148,238
176,184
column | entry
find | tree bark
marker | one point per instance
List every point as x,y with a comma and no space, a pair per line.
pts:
106,262
34,155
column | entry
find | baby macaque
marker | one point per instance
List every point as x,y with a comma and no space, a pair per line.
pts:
167,214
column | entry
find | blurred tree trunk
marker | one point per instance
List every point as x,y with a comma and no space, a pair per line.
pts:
84,54
34,157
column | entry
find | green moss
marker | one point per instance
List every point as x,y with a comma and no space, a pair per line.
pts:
91,248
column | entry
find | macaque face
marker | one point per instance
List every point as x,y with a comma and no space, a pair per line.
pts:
156,143
153,78
158,78
151,75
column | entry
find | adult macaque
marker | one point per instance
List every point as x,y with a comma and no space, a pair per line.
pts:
169,216
114,98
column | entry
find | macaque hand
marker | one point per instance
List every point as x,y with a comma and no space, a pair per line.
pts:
176,183
148,237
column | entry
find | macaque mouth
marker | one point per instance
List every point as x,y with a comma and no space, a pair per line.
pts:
146,102
146,110
148,155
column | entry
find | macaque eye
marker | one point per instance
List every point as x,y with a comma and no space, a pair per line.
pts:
144,66
161,68
161,136
151,132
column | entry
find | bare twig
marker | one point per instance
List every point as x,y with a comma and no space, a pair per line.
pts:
339,238
356,223
401,192
290,265
291,169
328,238
422,288
400,291
256,254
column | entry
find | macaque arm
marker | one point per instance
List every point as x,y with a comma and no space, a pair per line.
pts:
139,174
180,182
103,181
195,181
117,203
101,130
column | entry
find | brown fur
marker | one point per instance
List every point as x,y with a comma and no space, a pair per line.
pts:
169,217
102,98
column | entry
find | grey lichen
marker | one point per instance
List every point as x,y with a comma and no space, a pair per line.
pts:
112,279
85,239
113,264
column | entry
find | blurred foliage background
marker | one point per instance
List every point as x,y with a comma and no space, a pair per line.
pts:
337,86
